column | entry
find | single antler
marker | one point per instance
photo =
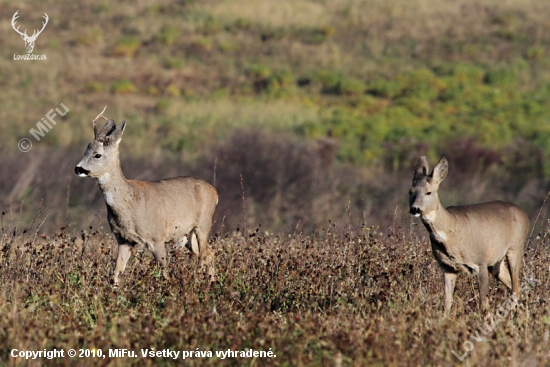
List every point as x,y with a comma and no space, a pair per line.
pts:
13,19
95,121
35,35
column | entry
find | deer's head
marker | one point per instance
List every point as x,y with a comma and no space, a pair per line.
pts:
29,40
101,155
423,197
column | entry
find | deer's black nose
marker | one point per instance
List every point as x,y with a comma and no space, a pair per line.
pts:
415,211
81,171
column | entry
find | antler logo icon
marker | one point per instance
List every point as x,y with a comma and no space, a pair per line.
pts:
29,41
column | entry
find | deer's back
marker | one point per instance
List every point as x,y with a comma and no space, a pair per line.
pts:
483,233
165,210
495,217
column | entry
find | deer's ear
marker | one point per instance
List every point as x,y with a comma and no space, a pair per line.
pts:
116,135
440,170
106,131
421,169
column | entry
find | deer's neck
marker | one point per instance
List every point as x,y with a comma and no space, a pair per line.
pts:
114,187
439,223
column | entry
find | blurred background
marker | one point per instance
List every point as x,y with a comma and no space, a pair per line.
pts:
299,111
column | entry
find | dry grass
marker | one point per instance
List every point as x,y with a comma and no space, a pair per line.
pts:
338,297
184,75
286,13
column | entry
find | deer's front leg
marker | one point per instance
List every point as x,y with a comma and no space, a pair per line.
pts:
450,281
159,251
124,252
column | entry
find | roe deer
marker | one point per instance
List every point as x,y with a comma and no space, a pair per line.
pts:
145,214
471,238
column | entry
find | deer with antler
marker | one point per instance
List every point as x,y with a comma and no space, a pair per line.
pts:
29,41
145,214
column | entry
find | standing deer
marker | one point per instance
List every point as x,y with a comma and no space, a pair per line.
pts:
29,41
145,214
471,238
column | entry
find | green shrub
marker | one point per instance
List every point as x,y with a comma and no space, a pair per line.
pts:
162,106
386,88
329,79
350,86
242,24
126,46
167,35
535,53
89,38
95,87
258,71
123,86
203,44
170,62
210,26
501,78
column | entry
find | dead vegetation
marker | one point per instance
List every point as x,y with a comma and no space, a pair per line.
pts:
340,296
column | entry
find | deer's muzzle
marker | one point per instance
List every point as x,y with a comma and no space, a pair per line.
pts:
81,171
415,211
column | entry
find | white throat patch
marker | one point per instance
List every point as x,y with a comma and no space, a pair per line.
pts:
430,217
108,197
104,179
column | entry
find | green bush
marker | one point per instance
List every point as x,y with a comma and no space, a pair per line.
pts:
167,35
350,86
433,107
126,46
123,86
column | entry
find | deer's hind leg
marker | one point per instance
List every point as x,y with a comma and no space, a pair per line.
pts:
192,243
501,272
515,264
197,242
206,254
483,283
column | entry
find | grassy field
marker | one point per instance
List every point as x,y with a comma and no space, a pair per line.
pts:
339,297
360,88
307,114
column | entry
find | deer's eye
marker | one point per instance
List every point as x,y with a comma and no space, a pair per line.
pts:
429,193
97,156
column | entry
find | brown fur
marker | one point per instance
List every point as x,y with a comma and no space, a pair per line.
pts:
145,214
471,238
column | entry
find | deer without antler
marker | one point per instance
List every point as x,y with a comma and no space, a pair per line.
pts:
29,41
471,238
145,214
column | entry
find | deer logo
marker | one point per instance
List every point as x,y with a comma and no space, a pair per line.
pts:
29,41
